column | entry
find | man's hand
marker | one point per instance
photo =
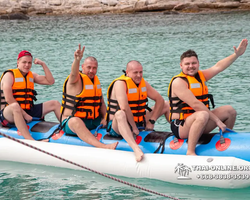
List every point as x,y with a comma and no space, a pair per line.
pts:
221,126
136,131
241,48
38,61
27,118
104,122
79,53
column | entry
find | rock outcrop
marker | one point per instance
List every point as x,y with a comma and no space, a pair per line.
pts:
20,16
81,7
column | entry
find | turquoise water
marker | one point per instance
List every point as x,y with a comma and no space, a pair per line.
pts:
157,41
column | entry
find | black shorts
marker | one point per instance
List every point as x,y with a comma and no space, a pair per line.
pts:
3,121
175,123
35,111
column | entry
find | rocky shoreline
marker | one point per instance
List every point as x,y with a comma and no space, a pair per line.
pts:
21,9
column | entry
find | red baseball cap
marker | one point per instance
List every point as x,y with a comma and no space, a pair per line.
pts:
23,53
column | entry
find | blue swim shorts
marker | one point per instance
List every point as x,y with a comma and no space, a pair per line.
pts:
111,131
89,123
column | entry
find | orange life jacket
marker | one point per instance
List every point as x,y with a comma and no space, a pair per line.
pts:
87,104
22,88
197,85
137,99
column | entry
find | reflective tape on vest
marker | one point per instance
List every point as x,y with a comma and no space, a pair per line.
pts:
19,80
31,80
89,87
195,85
132,90
143,89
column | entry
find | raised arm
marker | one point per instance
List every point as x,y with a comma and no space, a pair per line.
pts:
74,74
46,79
226,62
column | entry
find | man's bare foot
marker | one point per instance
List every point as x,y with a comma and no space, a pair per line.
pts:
138,154
112,146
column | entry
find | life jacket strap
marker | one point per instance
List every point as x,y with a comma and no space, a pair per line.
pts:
111,112
68,106
139,114
25,90
25,96
94,98
95,104
65,96
138,101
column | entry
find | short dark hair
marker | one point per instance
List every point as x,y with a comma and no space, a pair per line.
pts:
189,53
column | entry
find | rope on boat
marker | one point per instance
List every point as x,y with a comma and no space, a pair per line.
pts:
81,166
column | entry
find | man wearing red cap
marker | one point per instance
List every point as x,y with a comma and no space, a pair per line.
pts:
17,94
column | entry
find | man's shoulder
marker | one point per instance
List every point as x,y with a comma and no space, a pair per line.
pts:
8,78
119,84
179,81
7,73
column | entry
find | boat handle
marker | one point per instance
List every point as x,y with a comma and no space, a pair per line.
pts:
230,130
222,139
97,129
227,129
36,119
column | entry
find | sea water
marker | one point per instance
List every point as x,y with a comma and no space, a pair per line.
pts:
154,39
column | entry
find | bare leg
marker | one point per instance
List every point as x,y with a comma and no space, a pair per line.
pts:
13,114
50,106
165,112
193,128
78,127
227,114
121,126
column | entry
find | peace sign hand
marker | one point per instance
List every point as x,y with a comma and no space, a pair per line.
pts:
79,53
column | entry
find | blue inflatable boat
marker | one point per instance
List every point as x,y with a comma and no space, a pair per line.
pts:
221,157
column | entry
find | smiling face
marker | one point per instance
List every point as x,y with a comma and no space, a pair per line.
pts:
190,65
135,71
89,67
24,64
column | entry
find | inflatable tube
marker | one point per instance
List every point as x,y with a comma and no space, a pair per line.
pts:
224,165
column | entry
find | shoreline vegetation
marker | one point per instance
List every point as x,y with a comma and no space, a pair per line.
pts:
22,9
